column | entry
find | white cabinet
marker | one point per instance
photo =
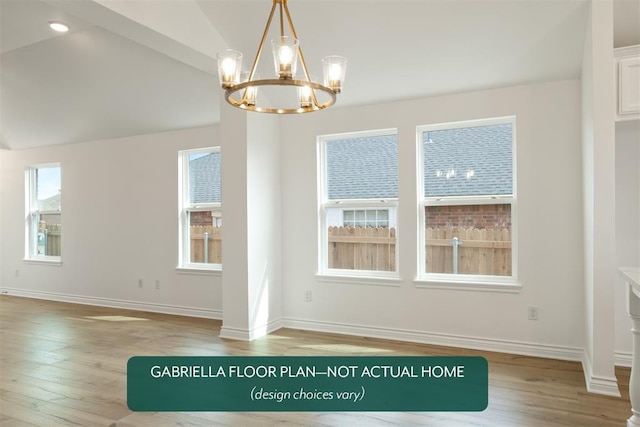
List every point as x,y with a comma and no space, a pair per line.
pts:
628,82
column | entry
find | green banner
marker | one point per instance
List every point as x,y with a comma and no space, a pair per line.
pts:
378,383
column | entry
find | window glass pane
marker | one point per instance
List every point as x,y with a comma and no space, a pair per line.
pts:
370,216
205,236
468,161
204,178
361,247
45,227
483,242
48,188
362,168
46,217
48,233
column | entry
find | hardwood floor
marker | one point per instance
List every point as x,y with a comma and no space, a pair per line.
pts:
65,364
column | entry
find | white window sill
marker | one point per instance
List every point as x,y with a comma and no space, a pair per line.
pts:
202,271
53,261
359,279
469,283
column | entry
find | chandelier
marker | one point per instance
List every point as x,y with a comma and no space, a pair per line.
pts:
303,94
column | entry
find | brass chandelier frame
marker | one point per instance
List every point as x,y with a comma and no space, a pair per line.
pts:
231,93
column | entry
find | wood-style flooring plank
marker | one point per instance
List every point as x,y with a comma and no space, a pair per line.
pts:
65,364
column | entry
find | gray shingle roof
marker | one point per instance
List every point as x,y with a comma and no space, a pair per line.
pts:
50,204
362,168
204,179
367,167
481,157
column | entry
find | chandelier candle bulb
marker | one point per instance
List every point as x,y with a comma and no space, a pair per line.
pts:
334,68
304,92
285,56
250,96
251,92
229,64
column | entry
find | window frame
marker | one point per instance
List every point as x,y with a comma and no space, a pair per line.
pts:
324,204
185,207
467,281
33,213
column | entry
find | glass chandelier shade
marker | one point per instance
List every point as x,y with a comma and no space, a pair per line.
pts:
229,66
334,68
241,89
285,56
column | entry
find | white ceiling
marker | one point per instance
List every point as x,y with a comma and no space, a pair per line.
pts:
135,67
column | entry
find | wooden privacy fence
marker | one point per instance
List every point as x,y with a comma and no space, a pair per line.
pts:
52,238
482,251
362,248
212,240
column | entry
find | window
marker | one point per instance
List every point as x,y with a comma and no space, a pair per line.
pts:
200,209
44,218
358,187
365,218
468,204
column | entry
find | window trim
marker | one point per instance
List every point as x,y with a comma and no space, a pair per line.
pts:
324,273
185,207
466,281
31,209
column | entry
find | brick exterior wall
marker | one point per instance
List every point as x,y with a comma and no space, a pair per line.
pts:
200,218
475,216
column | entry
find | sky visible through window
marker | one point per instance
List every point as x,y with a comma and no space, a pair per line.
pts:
49,182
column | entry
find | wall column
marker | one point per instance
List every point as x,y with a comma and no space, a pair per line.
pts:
598,163
251,260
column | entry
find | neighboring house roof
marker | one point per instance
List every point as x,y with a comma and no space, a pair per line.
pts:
367,167
204,179
50,204
481,157
362,168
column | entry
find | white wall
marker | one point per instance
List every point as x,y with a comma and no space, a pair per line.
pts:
549,219
627,224
120,223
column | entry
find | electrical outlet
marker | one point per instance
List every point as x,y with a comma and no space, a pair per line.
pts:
17,272
157,284
139,283
532,312
307,296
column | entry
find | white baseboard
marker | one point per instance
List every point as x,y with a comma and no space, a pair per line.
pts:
623,359
596,384
448,340
115,303
227,332
238,334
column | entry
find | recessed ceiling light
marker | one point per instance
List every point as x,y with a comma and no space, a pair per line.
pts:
58,26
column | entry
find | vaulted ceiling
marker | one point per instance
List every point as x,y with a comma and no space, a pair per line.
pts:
134,67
